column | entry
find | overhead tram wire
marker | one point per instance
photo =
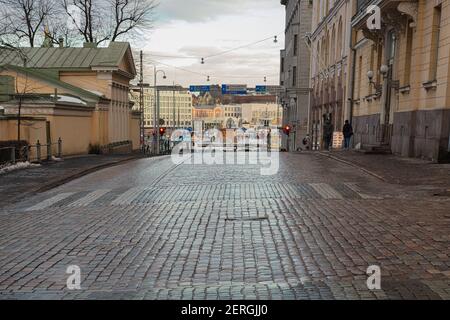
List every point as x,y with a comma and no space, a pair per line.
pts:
202,59
212,76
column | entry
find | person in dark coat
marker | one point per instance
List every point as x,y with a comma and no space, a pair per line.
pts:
328,133
348,133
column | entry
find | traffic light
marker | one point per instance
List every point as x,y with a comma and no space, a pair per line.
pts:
287,130
162,131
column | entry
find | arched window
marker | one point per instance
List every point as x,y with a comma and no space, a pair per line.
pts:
333,47
340,37
317,57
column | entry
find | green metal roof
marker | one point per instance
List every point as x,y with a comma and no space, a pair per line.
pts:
44,76
67,58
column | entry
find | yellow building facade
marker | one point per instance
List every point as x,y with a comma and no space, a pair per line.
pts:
83,94
401,78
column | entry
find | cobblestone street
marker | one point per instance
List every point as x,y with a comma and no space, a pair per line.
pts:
149,229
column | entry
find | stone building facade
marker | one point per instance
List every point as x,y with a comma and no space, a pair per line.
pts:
295,71
404,106
330,63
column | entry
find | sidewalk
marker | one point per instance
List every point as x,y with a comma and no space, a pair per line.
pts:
17,185
396,170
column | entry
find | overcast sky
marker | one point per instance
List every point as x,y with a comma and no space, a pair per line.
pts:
200,28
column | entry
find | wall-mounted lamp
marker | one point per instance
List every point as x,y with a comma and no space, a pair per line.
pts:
370,75
384,70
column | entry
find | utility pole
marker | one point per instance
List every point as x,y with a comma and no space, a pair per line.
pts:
156,109
141,102
155,116
158,138
174,104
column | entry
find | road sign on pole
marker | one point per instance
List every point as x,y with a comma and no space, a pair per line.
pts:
200,89
261,89
234,89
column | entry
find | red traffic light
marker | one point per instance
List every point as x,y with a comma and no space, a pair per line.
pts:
287,130
162,131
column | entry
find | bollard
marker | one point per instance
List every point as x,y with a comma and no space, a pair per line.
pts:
38,151
13,155
59,147
27,153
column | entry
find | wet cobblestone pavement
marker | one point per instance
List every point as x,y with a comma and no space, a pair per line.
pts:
150,229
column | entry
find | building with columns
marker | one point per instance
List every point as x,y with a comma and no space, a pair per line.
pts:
331,60
401,95
295,71
82,92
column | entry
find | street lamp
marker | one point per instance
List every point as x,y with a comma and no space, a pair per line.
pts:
156,108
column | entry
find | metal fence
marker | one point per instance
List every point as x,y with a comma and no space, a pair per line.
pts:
32,153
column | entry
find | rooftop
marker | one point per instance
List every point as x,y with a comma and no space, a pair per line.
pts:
67,58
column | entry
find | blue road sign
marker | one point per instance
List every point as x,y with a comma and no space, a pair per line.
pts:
200,88
261,89
234,89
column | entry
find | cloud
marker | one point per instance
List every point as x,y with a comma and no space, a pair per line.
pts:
196,28
206,10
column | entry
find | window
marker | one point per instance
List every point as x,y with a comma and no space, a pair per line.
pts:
408,54
434,55
294,76
295,44
282,64
372,63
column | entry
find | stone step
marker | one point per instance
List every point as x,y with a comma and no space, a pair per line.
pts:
375,149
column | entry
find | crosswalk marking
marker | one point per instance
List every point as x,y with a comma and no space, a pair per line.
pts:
204,193
129,196
326,191
355,188
51,201
89,198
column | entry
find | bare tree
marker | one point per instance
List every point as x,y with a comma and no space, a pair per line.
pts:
24,19
109,20
130,15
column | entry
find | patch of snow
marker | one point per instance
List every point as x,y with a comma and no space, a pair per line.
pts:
95,92
18,166
70,99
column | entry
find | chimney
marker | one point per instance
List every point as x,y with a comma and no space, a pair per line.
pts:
89,45
61,42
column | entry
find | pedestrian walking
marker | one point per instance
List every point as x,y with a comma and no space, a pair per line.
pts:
328,134
307,142
348,133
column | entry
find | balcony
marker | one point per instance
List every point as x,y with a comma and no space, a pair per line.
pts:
392,11
361,5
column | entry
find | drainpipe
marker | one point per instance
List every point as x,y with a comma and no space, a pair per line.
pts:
352,84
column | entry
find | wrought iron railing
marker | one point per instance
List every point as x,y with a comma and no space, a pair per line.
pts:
362,5
31,153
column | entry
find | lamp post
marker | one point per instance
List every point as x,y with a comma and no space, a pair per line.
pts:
156,109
